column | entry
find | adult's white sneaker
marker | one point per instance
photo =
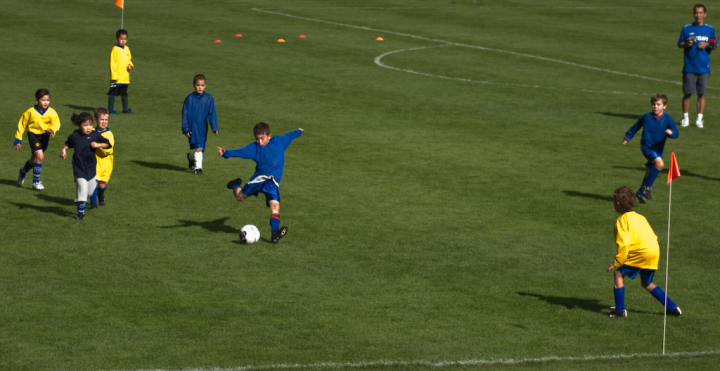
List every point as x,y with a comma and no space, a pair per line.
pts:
699,123
685,122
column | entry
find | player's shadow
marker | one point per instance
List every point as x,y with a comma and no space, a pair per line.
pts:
80,108
159,166
9,182
57,200
44,209
621,115
217,225
683,172
588,195
592,305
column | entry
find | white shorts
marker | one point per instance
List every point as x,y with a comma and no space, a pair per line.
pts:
85,189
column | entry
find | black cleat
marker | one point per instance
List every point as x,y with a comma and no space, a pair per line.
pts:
278,234
92,207
646,192
677,312
101,200
191,162
80,216
198,172
233,182
615,313
641,198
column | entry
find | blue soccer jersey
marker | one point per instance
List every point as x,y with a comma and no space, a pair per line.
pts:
697,60
654,135
197,111
269,159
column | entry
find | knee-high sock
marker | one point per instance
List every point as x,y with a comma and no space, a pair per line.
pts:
36,172
274,222
124,99
101,191
654,172
80,207
93,198
198,160
659,294
24,170
111,103
620,299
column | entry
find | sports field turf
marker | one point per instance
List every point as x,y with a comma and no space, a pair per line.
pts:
453,206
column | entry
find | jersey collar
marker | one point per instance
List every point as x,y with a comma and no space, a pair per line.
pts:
40,112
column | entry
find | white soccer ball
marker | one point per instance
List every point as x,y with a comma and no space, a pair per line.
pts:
249,234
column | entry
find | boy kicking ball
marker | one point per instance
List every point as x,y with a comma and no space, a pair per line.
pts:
638,253
268,152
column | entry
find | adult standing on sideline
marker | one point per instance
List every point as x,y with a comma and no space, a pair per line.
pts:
698,40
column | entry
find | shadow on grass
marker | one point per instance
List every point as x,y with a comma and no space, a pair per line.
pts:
588,195
58,200
44,209
683,172
9,182
621,115
592,305
81,108
217,225
159,166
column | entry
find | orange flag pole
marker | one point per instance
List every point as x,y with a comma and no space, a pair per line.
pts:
121,4
673,172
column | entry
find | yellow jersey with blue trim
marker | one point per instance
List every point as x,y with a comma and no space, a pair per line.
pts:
105,152
637,243
37,122
120,58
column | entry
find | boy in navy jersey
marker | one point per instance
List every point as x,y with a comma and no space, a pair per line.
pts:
268,152
198,109
657,127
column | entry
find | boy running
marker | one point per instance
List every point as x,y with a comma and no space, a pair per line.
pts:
657,127
268,152
198,109
41,123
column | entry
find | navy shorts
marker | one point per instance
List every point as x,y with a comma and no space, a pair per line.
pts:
650,155
645,274
118,89
38,142
197,145
268,188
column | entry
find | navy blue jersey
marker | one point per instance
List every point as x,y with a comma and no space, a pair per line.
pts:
654,135
197,111
84,161
697,60
269,159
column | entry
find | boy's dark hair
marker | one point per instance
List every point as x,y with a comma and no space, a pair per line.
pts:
625,197
78,120
659,96
199,77
41,93
120,32
261,128
101,111
700,6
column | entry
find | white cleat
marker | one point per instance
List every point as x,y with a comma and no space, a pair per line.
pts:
699,123
685,122
38,186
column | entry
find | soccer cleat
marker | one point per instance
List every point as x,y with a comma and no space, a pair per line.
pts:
685,122
92,206
231,184
199,172
113,112
39,186
191,162
21,179
615,313
127,111
80,216
101,200
278,234
646,192
641,197
699,123
677,312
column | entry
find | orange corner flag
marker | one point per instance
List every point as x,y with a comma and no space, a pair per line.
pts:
119,3
674,171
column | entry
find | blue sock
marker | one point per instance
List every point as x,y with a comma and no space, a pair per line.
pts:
654,172
80,207
659,294
620,299
24,170
274,222
36,172
93,198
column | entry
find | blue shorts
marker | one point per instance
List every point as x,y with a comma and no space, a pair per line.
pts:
650,155
645,274
197,145
268,188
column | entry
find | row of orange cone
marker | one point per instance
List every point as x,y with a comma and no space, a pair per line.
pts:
283,40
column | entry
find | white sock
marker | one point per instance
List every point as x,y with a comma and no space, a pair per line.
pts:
700,115
198,160
685,115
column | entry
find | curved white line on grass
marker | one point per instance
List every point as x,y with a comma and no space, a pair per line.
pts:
470,46
469,362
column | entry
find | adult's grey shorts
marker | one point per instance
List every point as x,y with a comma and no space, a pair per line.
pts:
695,81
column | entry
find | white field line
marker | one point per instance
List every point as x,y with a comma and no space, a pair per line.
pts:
471,46
469,362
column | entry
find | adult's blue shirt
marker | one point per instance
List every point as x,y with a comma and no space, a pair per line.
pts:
653,135
270,158
697,60
197,111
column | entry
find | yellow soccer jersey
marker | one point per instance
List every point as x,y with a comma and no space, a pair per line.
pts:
119,60
637,243
105,158
105,152
36,122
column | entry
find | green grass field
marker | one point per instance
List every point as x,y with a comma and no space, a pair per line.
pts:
460,212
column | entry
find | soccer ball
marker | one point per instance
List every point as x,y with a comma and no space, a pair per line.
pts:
249,234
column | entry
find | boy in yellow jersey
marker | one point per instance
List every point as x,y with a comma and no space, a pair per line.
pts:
41,122
120,66
638,252
104,156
